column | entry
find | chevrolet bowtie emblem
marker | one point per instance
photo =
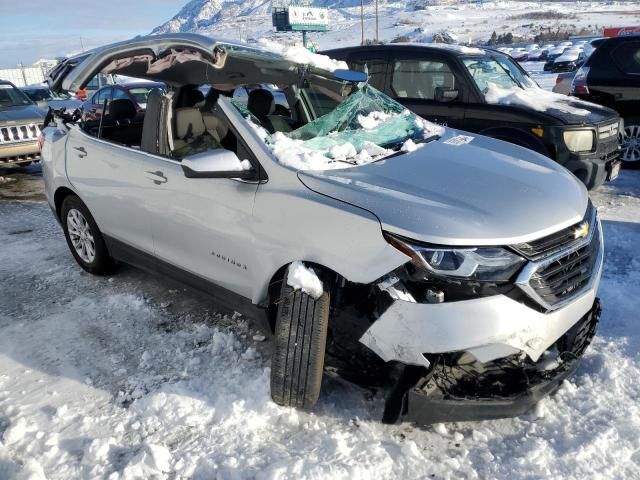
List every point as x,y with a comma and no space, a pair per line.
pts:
581,231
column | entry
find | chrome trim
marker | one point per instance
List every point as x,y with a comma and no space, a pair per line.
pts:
524,278
19,133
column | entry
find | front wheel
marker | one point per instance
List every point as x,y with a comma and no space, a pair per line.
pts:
300,340
84,237
630,143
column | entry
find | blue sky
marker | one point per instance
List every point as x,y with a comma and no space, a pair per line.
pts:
33,29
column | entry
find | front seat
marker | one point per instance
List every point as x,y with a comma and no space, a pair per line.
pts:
262,105
191,134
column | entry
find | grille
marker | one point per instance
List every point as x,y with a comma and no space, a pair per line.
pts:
608,131
19,133
568,275
555,242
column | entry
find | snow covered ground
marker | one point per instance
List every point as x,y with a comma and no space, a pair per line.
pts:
131,377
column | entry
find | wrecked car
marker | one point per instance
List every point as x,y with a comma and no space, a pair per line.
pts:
456,272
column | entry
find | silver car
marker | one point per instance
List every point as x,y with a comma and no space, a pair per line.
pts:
458,271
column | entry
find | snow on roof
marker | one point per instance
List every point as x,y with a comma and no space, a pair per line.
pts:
535,98
302,56
447,46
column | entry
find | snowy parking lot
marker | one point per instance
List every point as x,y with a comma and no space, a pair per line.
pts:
132,377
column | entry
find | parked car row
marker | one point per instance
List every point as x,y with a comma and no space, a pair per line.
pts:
356,232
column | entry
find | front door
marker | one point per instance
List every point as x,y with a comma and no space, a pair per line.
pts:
413,82
201,225
109,180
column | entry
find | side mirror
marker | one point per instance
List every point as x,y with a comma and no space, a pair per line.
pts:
445,94
353,76
218,163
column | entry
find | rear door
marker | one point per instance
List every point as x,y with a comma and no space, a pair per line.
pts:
109,178
414,77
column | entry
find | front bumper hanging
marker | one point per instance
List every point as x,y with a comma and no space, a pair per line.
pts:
462,389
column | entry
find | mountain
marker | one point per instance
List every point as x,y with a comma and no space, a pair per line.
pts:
198,15
470,21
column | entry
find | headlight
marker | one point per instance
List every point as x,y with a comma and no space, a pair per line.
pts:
579,140
490,264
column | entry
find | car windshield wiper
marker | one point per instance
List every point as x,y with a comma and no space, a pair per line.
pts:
508,72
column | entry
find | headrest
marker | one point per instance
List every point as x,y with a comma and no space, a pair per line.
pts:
190,97
121,109
189,123
261,103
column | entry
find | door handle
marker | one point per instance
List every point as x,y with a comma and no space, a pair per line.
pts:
157,177
81,151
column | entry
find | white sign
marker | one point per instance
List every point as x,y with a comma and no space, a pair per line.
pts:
308,16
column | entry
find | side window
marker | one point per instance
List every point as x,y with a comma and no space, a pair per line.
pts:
627,57
377,68
102,95
119,94
418,79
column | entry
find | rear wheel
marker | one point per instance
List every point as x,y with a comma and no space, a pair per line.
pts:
300,340
84,237
630,143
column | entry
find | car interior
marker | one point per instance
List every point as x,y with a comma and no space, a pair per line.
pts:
196,124
183,121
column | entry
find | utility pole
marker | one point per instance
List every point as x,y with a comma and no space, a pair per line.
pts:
377,41
81,44
362,20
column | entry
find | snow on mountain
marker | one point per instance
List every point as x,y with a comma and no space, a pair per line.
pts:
414,19
199,14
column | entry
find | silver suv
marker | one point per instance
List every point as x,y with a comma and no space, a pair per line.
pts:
458,271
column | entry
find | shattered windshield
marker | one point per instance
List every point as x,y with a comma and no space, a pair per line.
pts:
352,125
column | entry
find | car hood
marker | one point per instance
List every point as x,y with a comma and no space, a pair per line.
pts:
485,192
15,115
572,111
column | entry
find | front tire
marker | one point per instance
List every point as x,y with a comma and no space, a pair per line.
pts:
84,237
300,340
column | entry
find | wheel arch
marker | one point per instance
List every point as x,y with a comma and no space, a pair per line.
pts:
327,276
58,197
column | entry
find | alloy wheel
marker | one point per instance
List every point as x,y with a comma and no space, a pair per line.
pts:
80,235
631,143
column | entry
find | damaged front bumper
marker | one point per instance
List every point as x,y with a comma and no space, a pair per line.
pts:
459,390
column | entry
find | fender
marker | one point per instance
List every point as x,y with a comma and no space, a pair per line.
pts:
518,136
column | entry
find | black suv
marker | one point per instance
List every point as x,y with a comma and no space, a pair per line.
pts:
487,92
611,77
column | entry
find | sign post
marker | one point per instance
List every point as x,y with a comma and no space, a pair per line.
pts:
299,18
